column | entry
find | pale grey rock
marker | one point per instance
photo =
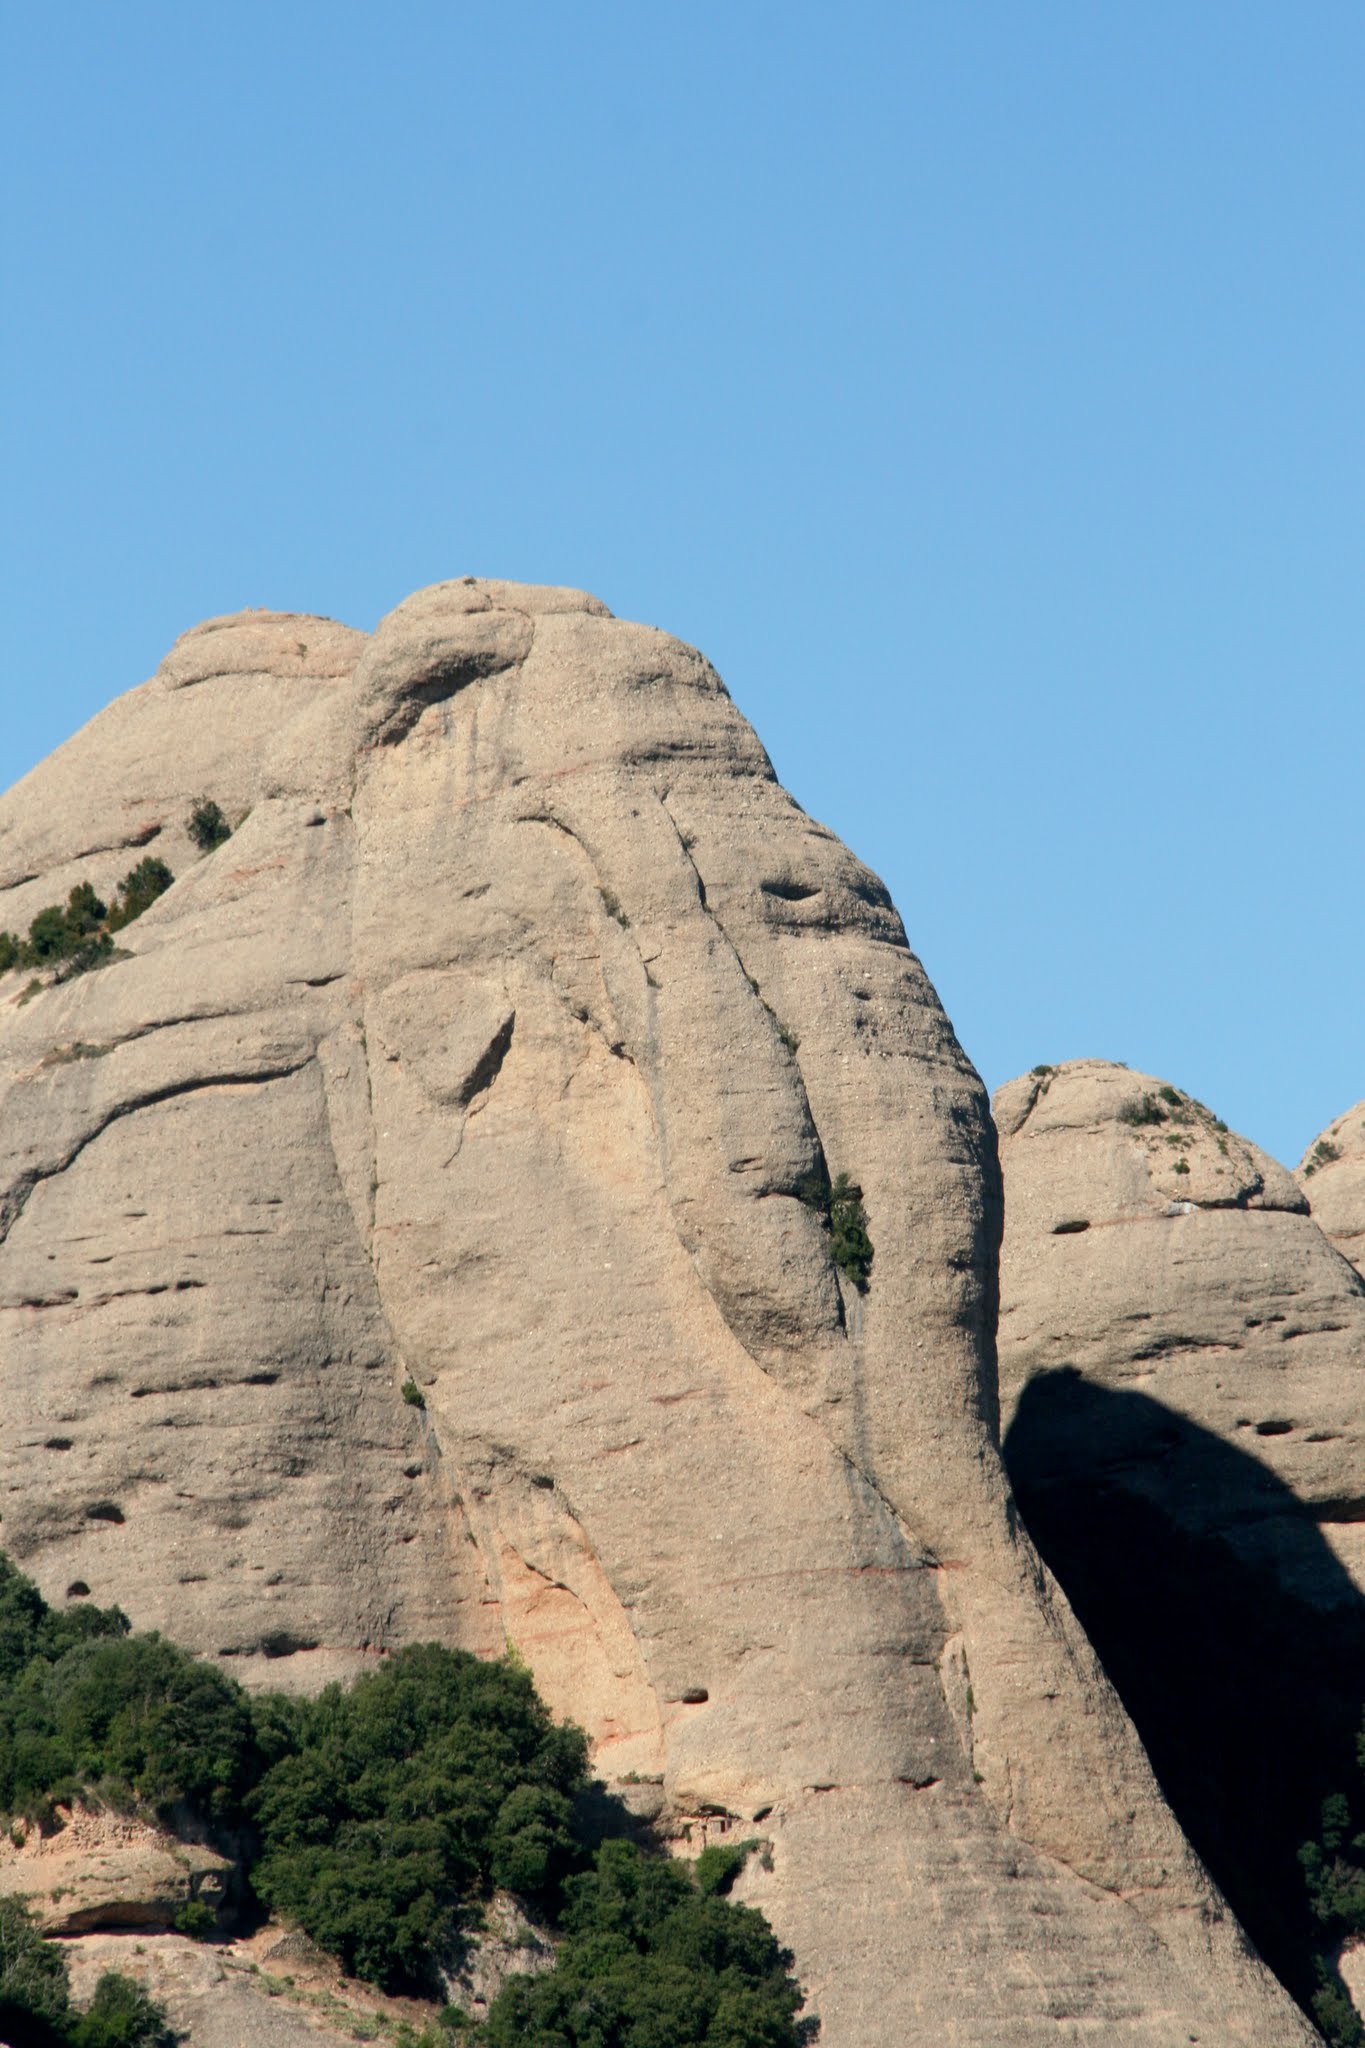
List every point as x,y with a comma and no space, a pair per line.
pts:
1153,1251
262,1994
511,1075
508,1943
1332,1176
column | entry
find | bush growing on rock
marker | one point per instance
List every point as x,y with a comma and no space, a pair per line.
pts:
58,932
120,2015
139,890
1334,1872
207,826
72,938
841,1206
850,1245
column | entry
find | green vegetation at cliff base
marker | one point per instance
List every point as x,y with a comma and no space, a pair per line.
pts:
378,1818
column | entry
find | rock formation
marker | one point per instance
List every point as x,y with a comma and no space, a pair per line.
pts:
109,1870
1153,1251
1182,1373
1332,1176
510,1046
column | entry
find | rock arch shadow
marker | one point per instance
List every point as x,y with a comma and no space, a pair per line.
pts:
1244,1669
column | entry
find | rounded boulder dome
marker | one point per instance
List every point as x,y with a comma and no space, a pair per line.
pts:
527,1041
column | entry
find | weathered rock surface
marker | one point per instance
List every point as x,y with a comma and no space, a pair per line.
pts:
272,1991
498,1047
1154,1252
509,1943
1182,1366
1332,1176
109,1870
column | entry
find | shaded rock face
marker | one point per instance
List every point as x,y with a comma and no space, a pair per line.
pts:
1332,1177
1182,1361
507,1045
1154,1251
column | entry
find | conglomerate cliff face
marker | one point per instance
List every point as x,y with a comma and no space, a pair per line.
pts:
1155,1254
1182,1375
501,1048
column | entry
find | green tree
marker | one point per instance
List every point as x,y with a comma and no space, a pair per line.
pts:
120,2015
1334,1872
850,1245
34,1993
138,890
650,1960
172,1728
400,1799
532,1847
206,825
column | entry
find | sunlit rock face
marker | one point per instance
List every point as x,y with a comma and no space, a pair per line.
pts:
502,1055
1182,1372
1332,1177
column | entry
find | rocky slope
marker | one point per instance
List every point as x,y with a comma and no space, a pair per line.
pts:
507,1045
1182,1373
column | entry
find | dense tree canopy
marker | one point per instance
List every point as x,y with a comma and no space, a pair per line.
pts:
653,1957
376,1817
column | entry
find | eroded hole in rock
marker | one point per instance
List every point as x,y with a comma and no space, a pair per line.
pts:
78,1590
1072,1227
789,892
1275,1426
175,1387
694,1696
105,1511
284,1643
260,1379
58,1443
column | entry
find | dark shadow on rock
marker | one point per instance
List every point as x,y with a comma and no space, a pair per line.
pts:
1189,1565
20,2029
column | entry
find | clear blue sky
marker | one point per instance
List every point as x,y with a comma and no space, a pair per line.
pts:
979,385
